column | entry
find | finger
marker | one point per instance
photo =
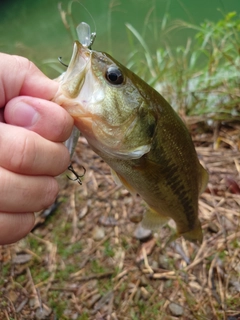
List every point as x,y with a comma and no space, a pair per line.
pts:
44,117
26,152
19,76
20,193
15,226
1,116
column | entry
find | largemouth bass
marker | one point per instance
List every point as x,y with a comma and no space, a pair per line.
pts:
138,134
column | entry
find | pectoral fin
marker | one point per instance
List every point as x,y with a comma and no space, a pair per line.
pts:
119,180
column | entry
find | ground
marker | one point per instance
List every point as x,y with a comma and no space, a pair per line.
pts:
86,260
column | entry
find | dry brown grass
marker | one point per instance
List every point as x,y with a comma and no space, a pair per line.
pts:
85,263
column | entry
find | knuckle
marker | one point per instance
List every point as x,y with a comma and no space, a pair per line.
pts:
24,158
23,63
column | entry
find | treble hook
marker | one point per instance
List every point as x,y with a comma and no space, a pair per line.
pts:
78,177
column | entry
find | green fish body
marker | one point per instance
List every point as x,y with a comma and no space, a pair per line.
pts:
134,129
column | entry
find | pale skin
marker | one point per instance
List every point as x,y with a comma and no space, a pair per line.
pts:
32,129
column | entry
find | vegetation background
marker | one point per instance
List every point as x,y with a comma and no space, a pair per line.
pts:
87,259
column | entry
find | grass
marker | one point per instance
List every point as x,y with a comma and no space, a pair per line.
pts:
200,78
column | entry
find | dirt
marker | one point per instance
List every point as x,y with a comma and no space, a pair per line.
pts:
84,261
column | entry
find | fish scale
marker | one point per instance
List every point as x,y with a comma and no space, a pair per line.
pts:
137,133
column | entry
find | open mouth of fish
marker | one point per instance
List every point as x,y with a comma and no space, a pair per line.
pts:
81,95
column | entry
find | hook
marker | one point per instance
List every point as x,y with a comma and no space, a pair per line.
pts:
78,177
64,64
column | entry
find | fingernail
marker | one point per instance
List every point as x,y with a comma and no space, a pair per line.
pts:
24,115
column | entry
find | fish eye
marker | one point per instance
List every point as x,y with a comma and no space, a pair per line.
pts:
114,75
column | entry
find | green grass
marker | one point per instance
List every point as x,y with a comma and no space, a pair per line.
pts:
58,305
84,316
198,78
96,267
108,250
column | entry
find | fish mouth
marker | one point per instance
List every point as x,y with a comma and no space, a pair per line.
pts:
81,56
72,80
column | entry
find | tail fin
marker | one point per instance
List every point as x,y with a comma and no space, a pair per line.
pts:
195,235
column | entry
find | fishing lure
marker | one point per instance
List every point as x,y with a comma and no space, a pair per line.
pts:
86,38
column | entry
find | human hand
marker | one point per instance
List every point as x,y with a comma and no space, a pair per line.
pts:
32,130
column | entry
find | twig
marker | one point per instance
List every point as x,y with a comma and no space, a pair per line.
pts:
147,266
95,276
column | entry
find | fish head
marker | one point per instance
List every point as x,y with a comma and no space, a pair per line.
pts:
107,103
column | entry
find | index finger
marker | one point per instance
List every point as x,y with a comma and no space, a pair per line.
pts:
27,79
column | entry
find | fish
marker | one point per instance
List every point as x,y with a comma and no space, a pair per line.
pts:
139,135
